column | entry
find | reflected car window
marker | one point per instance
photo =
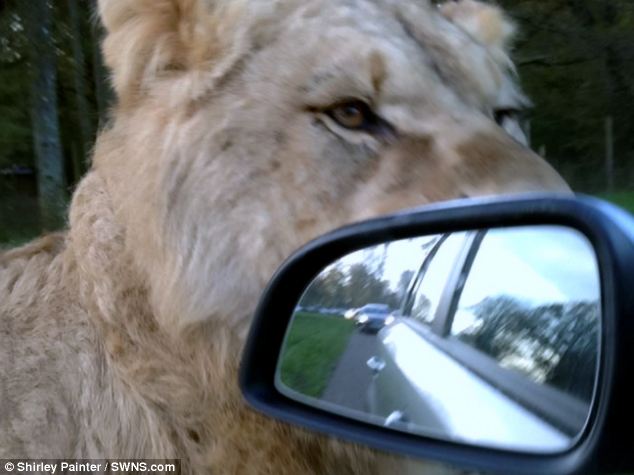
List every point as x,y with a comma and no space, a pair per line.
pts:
430,289
533,305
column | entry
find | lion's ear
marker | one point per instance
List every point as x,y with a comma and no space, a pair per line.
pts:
486,23
150,39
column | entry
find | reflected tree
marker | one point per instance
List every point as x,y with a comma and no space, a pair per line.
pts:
352,288
553,343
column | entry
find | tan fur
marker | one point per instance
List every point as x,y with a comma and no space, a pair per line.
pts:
121,338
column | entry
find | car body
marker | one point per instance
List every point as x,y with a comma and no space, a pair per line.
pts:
436,326
351,314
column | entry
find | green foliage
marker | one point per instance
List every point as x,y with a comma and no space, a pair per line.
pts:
80,80
19,219
312,350
576,62
16,143
625,199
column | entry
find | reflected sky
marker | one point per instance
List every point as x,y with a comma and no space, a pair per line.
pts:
400,256
539,263
557,255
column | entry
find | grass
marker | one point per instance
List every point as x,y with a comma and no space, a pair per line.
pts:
313,348
625,199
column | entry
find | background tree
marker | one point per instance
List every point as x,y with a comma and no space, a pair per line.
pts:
576,61
83,114
554,343
353,287
38,18
54,93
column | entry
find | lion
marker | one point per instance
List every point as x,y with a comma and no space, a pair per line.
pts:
242,129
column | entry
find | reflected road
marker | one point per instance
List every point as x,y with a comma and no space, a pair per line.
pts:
349,382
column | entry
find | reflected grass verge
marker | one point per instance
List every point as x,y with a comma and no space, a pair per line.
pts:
313,348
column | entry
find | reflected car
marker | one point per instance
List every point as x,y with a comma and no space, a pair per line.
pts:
351,314
373,317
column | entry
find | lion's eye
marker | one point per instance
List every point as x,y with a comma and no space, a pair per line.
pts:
353,114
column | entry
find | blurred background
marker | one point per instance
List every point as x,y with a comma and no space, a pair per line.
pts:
575,59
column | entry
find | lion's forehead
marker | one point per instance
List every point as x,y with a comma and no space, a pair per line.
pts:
424,53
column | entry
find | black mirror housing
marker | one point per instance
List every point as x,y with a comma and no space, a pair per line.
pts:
606,444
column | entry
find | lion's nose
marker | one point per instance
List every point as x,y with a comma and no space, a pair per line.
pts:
504,166
531,173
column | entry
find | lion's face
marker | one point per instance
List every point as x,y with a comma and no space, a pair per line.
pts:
246,128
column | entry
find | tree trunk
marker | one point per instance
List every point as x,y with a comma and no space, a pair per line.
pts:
79,79
48,152
103,92
609,154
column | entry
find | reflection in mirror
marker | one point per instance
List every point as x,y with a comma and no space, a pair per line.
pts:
485,337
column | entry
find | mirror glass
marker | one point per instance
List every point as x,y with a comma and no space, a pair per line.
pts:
484,337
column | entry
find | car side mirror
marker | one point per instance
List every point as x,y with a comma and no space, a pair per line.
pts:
494,335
